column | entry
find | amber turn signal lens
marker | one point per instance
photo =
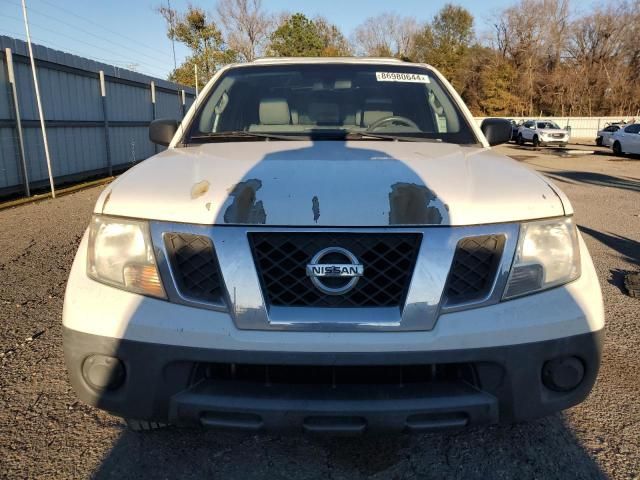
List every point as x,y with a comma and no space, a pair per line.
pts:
144,279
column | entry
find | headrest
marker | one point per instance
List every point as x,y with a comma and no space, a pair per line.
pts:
274,111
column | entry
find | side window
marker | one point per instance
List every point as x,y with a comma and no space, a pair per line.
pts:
635,128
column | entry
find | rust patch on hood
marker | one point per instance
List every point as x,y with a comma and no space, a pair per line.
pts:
199,189
315,207
409,204
245,208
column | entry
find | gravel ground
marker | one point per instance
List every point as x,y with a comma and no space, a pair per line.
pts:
46,433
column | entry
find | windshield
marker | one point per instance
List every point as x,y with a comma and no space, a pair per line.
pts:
548,125
329,101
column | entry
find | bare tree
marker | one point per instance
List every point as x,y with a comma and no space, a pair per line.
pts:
246,26
386,35
335,43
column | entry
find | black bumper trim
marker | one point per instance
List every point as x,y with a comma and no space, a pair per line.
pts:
353,409
158,379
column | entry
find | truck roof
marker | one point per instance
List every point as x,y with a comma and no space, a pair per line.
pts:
293,60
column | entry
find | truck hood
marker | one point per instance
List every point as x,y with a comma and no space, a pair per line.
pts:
330,183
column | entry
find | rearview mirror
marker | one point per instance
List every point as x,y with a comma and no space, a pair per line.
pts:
161,131
496,130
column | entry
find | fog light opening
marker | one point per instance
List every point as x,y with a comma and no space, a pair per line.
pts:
102,372
563,374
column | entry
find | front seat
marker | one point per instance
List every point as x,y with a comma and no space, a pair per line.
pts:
274,115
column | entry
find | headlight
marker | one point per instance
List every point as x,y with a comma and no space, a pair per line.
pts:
547,255
120,254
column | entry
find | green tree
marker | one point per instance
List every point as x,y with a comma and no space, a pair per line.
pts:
445,42
497,96
208,49
299,36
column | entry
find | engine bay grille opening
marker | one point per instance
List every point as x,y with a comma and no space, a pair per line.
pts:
388,260
334,376
475,264
195,266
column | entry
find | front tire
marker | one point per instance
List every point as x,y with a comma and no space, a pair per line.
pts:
519,139
536,142
617,149
599,141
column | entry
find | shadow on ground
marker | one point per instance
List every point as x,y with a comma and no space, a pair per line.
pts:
545,448
628,248
599,179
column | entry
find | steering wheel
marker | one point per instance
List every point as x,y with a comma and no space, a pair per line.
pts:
393,119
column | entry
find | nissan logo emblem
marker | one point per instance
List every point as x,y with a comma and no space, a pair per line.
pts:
351,269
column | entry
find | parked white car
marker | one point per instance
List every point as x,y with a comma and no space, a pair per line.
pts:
542,133
604,136
331,245
626,140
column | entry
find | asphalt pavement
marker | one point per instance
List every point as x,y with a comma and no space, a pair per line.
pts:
45,432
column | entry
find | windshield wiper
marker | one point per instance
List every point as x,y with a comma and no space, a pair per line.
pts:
310,135
388,136
242,134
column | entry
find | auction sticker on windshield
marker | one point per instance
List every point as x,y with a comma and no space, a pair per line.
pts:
401,77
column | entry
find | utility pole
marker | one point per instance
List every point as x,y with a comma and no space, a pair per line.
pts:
38,101
173,41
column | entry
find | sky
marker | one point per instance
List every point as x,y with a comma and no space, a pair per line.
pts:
131,34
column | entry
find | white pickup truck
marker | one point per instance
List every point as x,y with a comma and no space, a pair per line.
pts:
542,133
331,245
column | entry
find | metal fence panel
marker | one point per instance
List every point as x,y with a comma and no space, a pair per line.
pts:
127,103
75,117
130,145
168,105
9,166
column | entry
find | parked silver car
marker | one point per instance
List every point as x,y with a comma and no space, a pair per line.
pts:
604,136
626,140
542,133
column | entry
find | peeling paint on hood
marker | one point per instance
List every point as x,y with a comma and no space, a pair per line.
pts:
357,183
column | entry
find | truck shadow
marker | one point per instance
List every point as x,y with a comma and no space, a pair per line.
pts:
546,448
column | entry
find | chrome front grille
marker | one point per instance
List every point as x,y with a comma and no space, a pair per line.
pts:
388,260
256,275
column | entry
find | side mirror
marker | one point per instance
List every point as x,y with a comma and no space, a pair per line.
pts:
162,131
496,130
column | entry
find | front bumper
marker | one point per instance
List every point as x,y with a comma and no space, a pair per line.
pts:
552,142
160,384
